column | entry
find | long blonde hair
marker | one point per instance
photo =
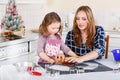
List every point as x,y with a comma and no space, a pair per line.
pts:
48,19
91,29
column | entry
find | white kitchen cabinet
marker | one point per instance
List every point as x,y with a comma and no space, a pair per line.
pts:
13,50
114,41
33,45
17,49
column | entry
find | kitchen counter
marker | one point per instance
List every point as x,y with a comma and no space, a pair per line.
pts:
11,48
113,33
9,72
28,36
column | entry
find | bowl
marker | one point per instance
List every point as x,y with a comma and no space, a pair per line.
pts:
116,54
24,66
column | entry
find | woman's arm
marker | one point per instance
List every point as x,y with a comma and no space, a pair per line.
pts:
99,42
99,46
90,56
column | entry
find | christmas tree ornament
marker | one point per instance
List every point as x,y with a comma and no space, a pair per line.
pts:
12,21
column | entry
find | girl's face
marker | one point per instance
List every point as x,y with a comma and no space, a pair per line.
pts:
53,28
81,20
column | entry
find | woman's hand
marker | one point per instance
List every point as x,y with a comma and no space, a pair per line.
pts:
73,60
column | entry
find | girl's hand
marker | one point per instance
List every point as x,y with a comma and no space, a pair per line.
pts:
51,61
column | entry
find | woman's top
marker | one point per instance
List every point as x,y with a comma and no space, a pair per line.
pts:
99,43
51,46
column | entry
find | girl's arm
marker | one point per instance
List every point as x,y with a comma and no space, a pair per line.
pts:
67,50
46,58
40,50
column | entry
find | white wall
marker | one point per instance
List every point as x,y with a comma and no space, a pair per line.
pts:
106,12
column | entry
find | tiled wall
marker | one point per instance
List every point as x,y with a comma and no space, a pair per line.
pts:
32,15
109,19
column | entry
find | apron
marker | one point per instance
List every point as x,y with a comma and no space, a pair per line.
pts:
52,47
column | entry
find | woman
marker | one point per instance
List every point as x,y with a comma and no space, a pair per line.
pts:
86,39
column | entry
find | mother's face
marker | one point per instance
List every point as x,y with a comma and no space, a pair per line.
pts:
81,20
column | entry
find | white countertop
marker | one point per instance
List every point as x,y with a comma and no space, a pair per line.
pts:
9,72
29,35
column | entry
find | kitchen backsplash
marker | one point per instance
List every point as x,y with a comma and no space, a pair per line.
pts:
32,15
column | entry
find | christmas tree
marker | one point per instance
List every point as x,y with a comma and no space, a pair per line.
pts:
12,21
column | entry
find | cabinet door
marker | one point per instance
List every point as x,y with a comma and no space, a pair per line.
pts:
114,43
18,49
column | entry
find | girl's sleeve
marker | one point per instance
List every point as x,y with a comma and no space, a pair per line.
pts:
99,44
64,47
41,44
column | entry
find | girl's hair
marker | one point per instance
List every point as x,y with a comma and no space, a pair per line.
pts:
91,29
49,19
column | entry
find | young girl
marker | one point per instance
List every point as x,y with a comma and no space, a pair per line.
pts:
50,45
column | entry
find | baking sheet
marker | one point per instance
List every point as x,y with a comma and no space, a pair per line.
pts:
59,67
90,66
